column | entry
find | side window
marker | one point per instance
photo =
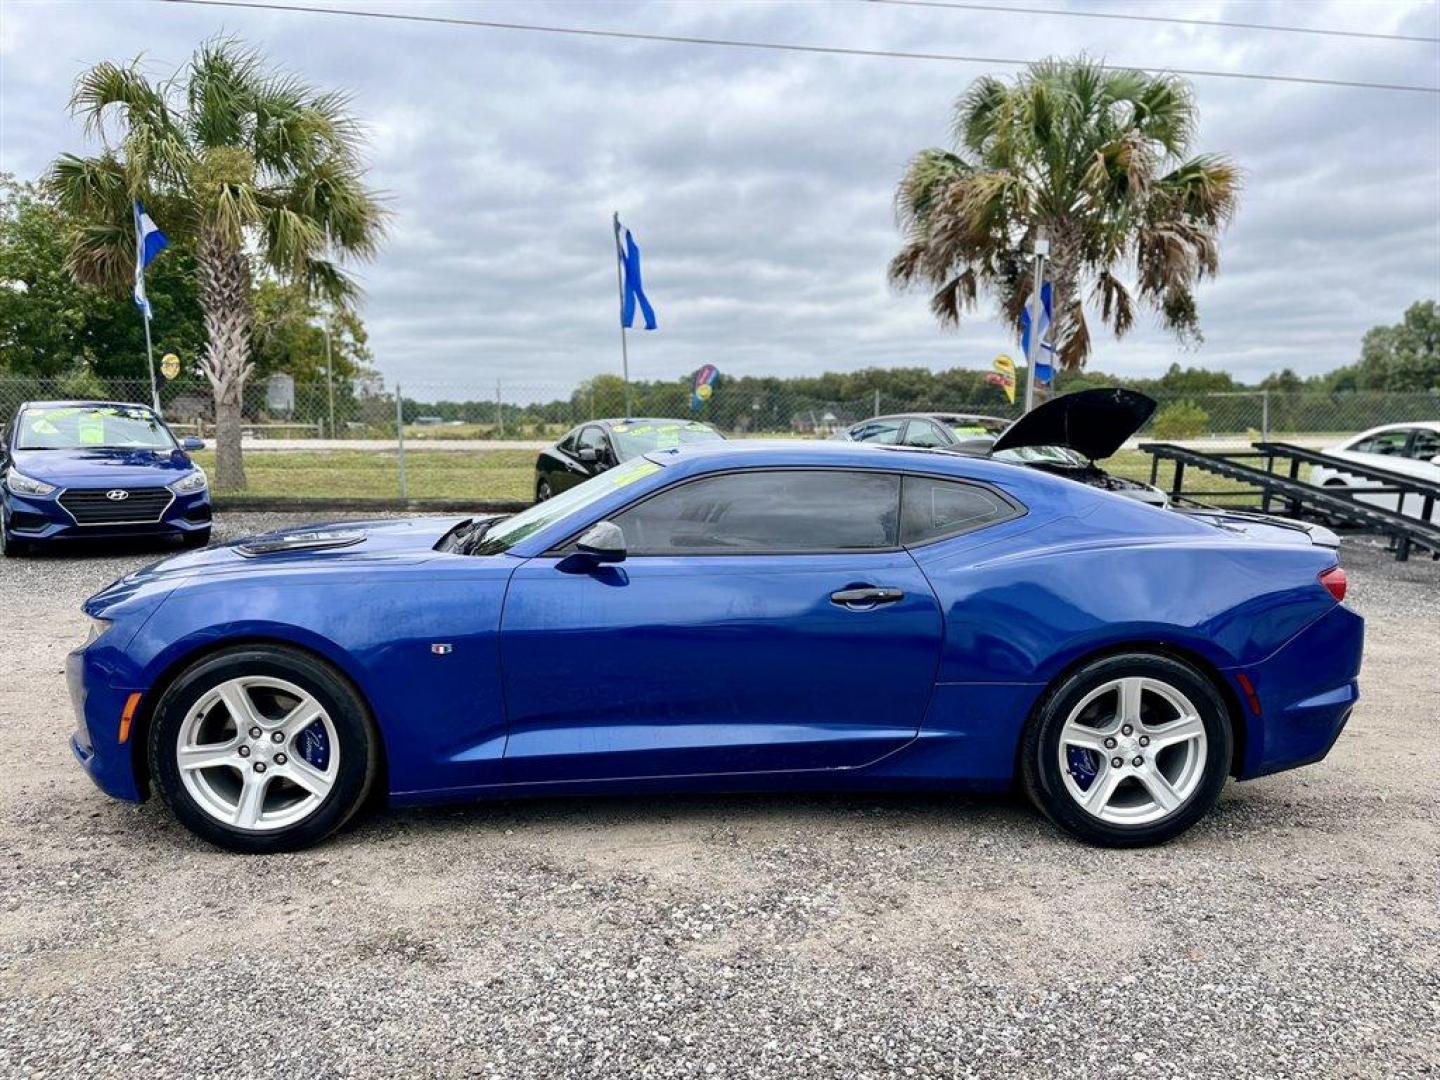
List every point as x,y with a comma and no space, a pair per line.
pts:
1426,444
885,432
935,509
1386,442
567,444
924,433
768,512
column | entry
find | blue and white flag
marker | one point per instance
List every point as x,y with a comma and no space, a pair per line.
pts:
149,242
1043,370
632,289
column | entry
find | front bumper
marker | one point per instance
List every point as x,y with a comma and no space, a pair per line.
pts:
96,740
1305,692
45,520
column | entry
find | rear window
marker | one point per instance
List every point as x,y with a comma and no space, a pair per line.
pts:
935,509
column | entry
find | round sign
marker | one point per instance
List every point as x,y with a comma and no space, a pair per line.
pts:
170,365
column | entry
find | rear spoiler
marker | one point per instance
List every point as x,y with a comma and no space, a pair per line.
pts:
1252,524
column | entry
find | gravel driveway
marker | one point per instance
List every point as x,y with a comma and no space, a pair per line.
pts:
1296,932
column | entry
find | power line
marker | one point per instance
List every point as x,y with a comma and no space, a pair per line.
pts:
1222,23
775,46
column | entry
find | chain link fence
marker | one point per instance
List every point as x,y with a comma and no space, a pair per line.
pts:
424,440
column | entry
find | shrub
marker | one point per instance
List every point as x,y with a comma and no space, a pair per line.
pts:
1181,420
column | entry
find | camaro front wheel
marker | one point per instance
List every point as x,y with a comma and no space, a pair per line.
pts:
262,749
1128,750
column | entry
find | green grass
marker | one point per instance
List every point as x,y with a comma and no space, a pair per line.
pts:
363,474
509,474
1135,465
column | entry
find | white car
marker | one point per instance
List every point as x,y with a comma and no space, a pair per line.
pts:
1406,449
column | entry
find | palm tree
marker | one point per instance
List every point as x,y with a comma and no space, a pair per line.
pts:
1095,161
251,169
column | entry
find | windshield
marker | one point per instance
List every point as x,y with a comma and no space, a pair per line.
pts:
632,440
505,534
1042,455
83,427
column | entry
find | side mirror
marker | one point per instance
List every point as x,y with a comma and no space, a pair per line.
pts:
588,455
190,444
604,542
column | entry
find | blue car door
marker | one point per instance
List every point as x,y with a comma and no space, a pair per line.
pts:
762,621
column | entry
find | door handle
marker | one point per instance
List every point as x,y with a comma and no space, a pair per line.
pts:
867,597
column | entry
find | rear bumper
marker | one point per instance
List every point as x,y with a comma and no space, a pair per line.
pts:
44,521
1305,691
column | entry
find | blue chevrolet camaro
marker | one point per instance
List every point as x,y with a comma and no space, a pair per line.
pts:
91,470
728,617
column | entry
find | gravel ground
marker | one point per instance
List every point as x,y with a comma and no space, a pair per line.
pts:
1296,932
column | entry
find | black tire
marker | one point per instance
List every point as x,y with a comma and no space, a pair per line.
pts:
542,491
1041,772
10,547
358,749
197,539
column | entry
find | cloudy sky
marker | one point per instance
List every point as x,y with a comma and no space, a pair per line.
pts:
759,183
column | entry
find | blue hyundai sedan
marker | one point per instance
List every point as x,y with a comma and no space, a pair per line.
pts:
728,616
93,470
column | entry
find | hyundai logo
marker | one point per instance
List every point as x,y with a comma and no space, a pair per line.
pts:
118,495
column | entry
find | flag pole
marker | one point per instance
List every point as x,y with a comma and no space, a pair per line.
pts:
620,291
1042,248
150,358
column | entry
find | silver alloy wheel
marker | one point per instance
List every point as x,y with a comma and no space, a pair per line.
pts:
242,753
1155,734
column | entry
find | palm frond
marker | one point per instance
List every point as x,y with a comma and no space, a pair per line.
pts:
1117,306
1074,348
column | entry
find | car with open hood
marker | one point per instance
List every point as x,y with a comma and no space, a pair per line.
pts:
1066,436
737,616
92,470
589,449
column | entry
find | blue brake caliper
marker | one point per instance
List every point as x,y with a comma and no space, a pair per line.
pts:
1081,763
314,746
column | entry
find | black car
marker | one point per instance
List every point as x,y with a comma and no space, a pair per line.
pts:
593,447
1066,435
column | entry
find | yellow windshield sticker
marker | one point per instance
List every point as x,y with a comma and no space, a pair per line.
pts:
91,430
637,470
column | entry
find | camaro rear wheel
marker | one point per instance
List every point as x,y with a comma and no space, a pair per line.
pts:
262,749
542,491
1128,750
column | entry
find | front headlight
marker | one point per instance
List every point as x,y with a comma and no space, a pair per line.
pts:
189,485
95,627
21,484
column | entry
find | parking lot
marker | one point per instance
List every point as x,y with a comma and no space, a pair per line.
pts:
1294,932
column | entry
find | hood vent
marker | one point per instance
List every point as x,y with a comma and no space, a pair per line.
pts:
311,540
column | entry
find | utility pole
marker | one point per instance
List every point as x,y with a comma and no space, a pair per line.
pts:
877,402
1033,353
400,434
620,291
329,376
499,411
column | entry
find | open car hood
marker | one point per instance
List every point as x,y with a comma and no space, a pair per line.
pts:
1095,423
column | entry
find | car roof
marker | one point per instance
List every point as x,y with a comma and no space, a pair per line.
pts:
944,416
827,453
1428,425
85,405
611,421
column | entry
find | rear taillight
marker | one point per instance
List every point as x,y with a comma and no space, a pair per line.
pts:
1334,582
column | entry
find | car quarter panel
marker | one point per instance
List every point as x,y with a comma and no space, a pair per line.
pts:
419,641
